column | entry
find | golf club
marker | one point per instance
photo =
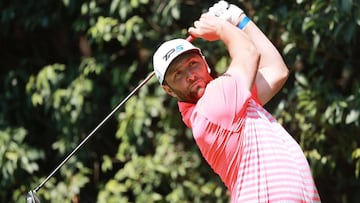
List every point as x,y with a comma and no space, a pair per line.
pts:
31,196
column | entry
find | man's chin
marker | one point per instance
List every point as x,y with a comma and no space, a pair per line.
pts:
197,92
195,96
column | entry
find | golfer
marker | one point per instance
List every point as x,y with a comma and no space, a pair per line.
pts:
253,154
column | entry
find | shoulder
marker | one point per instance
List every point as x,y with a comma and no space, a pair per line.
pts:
226,84
223,101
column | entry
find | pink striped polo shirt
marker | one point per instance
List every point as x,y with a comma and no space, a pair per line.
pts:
253,154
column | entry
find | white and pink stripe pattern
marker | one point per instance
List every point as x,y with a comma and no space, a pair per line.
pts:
253,154
272,165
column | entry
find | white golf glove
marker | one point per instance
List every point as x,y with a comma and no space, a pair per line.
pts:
226,11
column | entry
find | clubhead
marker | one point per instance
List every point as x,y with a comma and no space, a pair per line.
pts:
32,198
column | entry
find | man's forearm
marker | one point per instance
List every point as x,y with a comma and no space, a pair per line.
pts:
243,52
269,53
272,72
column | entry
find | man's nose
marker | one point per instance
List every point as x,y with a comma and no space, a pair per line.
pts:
191,76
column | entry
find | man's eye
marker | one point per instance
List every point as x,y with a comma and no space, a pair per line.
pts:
177,74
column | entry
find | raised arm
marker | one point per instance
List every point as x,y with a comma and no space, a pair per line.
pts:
245,57
272,72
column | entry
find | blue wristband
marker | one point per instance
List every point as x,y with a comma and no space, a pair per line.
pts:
243,23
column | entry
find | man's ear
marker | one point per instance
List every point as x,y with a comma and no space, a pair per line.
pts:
169,91
208,68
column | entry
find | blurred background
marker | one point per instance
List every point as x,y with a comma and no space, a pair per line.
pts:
64,64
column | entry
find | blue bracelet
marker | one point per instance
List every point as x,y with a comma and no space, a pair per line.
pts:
243,23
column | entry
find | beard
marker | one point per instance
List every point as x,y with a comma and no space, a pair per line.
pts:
198,89
194,92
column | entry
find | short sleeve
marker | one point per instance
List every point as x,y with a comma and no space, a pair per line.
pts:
224,101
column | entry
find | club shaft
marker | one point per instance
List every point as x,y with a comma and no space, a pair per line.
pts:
94,130
189,38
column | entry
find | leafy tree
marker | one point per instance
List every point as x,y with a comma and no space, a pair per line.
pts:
66,64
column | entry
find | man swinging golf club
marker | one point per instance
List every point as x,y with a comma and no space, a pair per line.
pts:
253,154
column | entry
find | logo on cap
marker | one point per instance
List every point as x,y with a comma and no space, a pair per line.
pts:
173,50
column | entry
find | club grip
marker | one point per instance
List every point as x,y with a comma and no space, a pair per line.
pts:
190,38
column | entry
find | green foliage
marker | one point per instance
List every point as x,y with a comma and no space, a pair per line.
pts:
17,159
74,176
322,106
66,64
65,97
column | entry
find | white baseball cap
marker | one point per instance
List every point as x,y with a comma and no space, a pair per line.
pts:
166,54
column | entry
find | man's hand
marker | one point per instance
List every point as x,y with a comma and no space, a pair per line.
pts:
244,55
208,27
226,11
